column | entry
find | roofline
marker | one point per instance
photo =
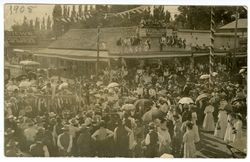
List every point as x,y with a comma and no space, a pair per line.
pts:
79,49
106,28
190,30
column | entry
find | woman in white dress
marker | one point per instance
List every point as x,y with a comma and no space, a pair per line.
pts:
189,142
237,134
164,138
195,127
221,124
229,131
208,123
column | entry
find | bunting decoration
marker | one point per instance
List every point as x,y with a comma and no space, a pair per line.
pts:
85,13
139,9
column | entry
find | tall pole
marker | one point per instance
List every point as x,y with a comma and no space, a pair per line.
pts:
98,50
235,37
211,52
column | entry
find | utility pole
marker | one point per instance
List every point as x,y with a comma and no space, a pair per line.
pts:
235,36
98,50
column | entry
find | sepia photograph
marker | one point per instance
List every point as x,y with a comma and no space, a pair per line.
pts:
130,81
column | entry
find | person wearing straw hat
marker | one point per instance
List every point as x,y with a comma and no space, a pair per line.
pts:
237,134
221,125
164,138
208,123
189,141
230,130
177,136
30,132
65,142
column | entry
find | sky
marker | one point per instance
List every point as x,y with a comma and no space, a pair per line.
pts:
14,13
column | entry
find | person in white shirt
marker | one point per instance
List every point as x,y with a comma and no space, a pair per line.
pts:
152,142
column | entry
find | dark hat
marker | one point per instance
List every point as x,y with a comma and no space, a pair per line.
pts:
189,125
29,122
239,116
175,116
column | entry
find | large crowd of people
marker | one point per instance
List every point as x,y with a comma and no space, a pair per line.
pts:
124,112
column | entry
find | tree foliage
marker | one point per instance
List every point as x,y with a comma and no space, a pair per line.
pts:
198,17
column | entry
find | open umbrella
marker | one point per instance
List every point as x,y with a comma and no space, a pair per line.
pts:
242,71
186,100
128,107
202,96
25,84
167,156
27,62
63,85
112,85
205,76
99,83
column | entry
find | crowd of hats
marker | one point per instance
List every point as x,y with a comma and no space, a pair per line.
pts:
108,98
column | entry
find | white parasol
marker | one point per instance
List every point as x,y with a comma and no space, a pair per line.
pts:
202,96
112,85
186,100
242,71
128,107
205,76
167,156
25,84
63,85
